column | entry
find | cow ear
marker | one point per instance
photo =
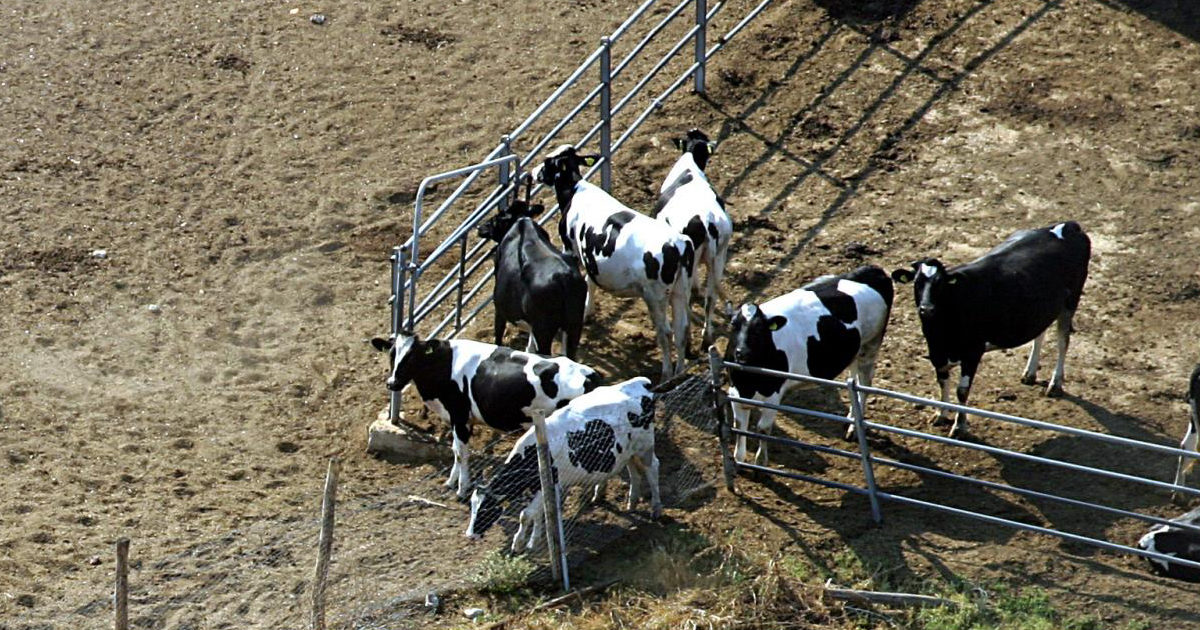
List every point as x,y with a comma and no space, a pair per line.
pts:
777,322
380,344
678,142
903,276
536,209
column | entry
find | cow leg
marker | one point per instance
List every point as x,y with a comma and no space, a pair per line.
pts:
570,340
587,302
543,341
460,471
766,420
637,475
600,491
943,378
531,345
864,371
966,376
680,326
1190,439
1035,355
498,327
651,478
658,315
741,420
710,293
1064,340
526,521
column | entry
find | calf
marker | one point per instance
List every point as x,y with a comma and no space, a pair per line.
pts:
1003,299
537,287
818,330
688,203
590,440
1193,430
623,252
466,382
1178,542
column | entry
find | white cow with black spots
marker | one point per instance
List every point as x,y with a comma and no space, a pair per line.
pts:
468,382
818,330
590,440
1193,430
623,252
688,203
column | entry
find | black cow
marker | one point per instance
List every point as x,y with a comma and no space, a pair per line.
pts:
1178,542
465,382
1193,430
537,288
820,329
1004,299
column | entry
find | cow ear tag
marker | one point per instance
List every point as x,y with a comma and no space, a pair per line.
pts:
589,161
952,280
773,326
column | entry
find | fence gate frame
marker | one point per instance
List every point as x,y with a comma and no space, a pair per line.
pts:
726,434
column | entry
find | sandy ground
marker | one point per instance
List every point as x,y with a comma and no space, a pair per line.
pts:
246,173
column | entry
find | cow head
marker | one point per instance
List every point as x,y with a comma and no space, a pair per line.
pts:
402,349
698,144
751,334
932,282
561,168
496,227
485,511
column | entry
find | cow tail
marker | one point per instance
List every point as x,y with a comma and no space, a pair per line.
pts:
573,288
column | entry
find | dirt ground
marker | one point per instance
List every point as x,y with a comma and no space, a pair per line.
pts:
245,173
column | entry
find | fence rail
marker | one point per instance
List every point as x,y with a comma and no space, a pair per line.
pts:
870,461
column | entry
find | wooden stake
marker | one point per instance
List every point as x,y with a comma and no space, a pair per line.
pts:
550,503
122,593
325,544
889,599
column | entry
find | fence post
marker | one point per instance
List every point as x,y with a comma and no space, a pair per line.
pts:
606,113
462,279
410,273
856,410
121,595
505,149
550,504
324,544
397,302
719,402
701,43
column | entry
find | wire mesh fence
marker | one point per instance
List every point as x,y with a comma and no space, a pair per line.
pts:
395,546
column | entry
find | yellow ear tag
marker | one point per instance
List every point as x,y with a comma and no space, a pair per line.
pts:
952,280
590,161
428,349
773,327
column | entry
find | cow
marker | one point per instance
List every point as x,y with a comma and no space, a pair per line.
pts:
623,252
536,287
590,441
466,382
1193,429
1003,299
1175,541
688,203
819,330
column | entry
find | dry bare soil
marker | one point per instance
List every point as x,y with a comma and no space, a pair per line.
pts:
247,172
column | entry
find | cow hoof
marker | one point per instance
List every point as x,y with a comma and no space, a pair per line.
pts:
1055,390
1179,499
1029,379
942,421
851,434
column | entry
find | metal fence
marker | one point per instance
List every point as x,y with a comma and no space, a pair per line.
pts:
871,461
445,305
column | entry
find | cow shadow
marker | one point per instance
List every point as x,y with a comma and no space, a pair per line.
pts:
1181,16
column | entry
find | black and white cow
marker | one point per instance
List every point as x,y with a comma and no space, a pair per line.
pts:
466,382
1178,542
623,252
537,287
818,330
590,441
1193,429
1004,299
688,203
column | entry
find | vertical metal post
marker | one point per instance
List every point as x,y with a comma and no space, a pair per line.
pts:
856,410
413,272
121,594
701,43
462,280
550,503
719,403
606,113
505,149
397,301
